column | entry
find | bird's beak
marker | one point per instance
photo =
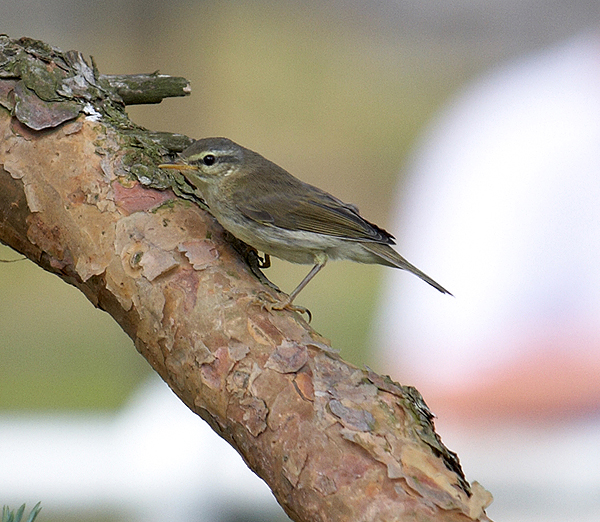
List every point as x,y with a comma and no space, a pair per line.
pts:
177,166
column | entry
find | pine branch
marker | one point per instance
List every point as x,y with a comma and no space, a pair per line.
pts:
81,196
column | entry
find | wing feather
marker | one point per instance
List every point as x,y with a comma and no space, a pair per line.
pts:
281,200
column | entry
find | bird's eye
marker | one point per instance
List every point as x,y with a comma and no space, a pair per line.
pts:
209,160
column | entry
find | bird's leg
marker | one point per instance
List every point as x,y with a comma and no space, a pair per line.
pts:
313,272
286,304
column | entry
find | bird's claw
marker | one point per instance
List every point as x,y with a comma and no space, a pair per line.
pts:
294,308
275,304
264,262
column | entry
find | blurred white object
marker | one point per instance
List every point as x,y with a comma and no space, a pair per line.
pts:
502,207
154,461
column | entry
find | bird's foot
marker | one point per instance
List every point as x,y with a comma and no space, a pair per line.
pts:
253,258
264,262
283,305
273,303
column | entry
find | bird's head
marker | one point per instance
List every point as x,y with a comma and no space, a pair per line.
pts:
209,159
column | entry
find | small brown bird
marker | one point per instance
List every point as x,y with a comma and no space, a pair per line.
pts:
266,207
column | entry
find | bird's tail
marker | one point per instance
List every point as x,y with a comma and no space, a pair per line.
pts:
390,257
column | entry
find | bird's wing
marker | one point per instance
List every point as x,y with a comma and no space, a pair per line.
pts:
317,212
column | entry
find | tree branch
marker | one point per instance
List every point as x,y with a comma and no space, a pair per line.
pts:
147,88
81,196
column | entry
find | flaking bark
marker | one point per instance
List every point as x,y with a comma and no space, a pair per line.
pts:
80,195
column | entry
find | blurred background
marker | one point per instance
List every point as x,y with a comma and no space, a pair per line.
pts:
340,93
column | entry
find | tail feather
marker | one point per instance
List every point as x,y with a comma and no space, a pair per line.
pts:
388,256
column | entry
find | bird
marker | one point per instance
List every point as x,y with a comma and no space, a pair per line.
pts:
263,205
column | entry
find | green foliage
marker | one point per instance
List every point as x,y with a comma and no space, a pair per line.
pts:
11,516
